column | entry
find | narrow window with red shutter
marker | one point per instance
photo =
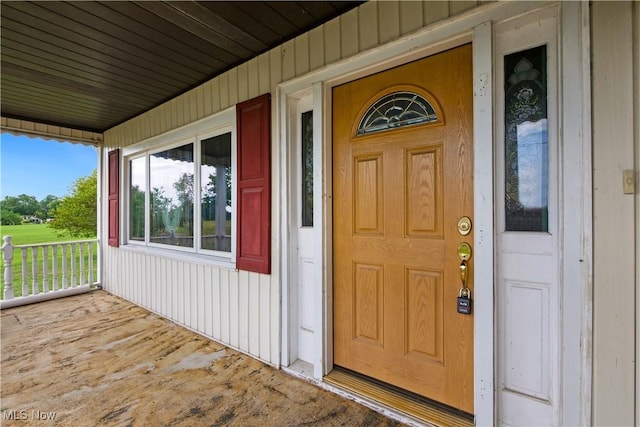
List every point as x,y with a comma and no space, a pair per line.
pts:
114,198
254,185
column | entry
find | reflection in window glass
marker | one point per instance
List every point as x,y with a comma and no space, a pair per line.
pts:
171,204
526,141
215,187
137,190
307,169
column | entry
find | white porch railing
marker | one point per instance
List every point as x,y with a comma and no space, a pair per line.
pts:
47,270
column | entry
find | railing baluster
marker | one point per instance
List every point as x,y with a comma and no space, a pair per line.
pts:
7,257
73,266
64,266
45,269
25,288
90,261
54,264
82,275
34,271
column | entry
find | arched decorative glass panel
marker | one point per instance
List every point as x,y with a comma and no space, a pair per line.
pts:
395,110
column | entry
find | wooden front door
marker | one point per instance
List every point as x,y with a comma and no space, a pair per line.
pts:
403,177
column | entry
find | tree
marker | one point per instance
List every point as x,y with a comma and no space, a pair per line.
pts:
10,218
76,215
47,206
24,205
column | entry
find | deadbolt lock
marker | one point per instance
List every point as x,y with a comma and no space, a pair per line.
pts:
464,225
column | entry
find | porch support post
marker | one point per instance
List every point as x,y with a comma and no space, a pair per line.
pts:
7,256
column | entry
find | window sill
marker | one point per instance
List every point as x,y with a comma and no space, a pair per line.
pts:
201,259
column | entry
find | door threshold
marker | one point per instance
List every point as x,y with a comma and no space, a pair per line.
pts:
409,404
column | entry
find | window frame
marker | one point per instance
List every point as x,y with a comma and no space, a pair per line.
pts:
218,124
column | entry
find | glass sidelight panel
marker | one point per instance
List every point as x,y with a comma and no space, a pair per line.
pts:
526,141
215,187
137,191
307,169
171,183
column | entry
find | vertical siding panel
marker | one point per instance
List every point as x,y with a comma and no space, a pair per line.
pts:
410,16
206,98
243,82
265,318
332,51
208,300
253,78
200,91
349,33
216,304
274,315
225,307
264,75
233,309
191,100
183,110
191,297
435,11
144,273
200,298
243,310
254,314
288,60
301,44
233,86
166,284
316,48
156,285
215,95
181,291
216,296
368,25
389,18
224,91
167,118
456,7
275,66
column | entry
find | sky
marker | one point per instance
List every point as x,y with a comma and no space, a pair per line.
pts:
38,167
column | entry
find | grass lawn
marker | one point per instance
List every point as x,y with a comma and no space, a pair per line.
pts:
30,234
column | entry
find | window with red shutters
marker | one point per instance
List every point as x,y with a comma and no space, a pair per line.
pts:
254,185
114,198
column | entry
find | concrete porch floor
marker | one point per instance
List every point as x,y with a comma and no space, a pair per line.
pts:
95,359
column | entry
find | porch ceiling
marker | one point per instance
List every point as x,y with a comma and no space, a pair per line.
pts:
91,65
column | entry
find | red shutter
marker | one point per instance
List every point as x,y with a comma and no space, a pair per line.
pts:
114,198
254,185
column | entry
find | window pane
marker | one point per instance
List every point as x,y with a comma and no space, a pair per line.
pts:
307,169
526,141
171,182
215,186
137,190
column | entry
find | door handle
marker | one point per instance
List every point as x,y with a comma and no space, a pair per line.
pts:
464,297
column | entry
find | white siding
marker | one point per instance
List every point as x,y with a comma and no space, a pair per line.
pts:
615,264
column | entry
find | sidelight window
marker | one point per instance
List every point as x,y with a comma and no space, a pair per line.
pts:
526,141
